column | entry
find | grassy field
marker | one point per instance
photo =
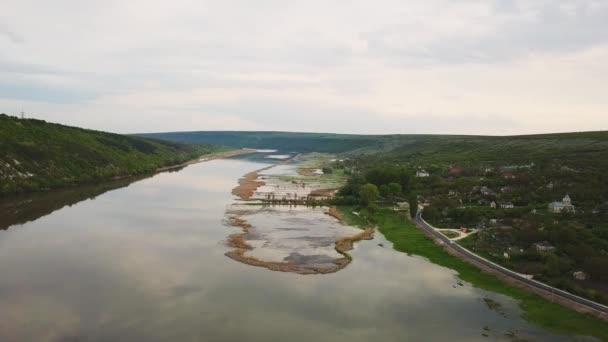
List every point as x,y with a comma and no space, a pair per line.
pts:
407,238
450,234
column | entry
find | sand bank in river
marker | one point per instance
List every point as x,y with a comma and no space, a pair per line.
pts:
298,239
302,242
249,183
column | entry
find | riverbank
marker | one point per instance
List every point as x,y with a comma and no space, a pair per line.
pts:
207,157
407,238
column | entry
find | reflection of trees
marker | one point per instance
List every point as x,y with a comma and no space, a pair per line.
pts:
29,207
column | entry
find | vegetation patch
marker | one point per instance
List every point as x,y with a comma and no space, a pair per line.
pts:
37,155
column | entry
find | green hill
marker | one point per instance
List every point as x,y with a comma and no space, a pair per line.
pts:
284,141
585,147
37,155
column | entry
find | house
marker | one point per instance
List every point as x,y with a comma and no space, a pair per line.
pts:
493,221
483,201
580,275
506,205
422,173
493,205
508,175
487,191
455,169
463,230
564,206
544,246
402,206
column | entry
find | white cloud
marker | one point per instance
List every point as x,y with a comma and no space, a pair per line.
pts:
368,67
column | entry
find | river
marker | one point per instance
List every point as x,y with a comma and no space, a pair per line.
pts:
146,262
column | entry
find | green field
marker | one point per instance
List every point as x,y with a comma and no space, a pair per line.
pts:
407,238
37,155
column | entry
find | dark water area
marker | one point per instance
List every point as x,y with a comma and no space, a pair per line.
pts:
145,261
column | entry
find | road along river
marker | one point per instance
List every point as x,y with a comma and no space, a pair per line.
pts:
147,262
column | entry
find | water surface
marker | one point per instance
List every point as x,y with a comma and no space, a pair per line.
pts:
146,263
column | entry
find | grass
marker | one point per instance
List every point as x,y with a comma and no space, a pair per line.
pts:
450,234
407,238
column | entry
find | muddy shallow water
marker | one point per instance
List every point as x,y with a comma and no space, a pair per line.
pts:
146,263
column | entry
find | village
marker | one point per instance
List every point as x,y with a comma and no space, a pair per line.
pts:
532,220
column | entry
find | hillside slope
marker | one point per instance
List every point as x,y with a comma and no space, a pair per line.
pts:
37,155
585,147
590,148
285,141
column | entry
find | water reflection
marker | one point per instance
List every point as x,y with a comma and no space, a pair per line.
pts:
21,209
146,263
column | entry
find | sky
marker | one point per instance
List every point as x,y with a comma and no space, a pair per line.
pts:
384,66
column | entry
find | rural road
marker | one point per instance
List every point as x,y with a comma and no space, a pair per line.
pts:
465,253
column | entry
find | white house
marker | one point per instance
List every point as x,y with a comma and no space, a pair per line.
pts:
564,205
422,173
544,246
506,205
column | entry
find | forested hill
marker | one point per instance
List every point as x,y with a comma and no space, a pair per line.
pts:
284,141
586,146
37,155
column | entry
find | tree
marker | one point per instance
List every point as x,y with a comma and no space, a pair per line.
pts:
413,201
394,189
368,193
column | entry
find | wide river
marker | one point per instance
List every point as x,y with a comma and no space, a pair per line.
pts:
146,263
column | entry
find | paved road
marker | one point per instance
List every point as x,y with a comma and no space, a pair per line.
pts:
470,255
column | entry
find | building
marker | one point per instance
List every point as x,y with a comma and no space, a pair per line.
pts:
506,205
402,206
487,191
544,246
580,275
493,205
564,206
422,173
508,175
456,170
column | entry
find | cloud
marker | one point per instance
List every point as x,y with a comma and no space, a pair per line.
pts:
316,65
10,35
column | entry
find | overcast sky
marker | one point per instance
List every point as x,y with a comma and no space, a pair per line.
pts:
382,66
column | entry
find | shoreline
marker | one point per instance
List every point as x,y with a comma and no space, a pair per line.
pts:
408,238
203,158
249,183
135,176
